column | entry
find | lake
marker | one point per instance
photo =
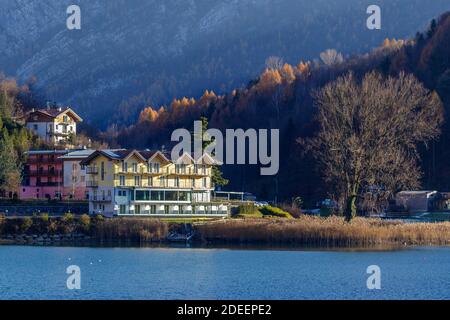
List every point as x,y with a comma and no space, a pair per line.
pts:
28,272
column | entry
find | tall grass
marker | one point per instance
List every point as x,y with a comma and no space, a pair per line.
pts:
130,229
117,229
331,231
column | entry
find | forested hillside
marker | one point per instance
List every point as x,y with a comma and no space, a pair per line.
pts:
281,97
133,53
15,139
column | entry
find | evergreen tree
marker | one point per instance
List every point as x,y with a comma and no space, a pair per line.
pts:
217,178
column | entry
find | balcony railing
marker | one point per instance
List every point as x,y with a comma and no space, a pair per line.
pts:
92,184
44,160
166,171
91,170
48,173
49,184
100,198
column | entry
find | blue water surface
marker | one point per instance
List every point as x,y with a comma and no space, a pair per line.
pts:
31,272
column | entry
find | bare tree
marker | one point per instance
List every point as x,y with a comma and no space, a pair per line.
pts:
274,63
331,57
369,133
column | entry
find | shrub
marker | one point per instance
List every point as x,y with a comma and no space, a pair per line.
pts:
44,217
27,222
85,222
67,218
274,211
52,227
248,211
293,210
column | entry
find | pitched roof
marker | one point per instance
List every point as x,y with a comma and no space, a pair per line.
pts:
55,112
42,152
77,154
145,155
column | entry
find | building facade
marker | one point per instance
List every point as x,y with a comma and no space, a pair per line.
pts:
74,175
43,175
131,182
54,125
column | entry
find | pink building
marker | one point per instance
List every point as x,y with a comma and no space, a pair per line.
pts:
43,175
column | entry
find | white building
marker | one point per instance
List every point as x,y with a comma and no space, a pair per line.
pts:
74,175
53,125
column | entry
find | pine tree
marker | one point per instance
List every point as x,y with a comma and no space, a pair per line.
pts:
216,174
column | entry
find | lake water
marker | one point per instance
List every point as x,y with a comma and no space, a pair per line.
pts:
196,273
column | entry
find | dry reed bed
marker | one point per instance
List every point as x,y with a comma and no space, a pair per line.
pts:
130,229
332,231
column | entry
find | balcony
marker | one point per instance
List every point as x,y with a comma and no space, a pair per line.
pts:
92,184
187,172
100,198
91,170
49,184
44,160
43,173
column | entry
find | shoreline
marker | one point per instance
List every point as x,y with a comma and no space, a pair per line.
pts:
303,232
116,244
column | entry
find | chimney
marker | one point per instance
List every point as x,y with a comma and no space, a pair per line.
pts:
48,105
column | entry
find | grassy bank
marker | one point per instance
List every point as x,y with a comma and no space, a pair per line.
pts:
332,231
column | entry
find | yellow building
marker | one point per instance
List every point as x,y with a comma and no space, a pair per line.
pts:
131,182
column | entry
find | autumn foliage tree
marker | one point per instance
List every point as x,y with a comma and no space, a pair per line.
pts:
369,135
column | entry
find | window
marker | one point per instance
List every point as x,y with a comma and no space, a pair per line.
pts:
122,209
195,168
124,166
203,169
150,181
184,196
171,196
153,209
142,195
177,181
134,165
154,167
193,182
65,118
162,181
122,180
102,171
35,127
137,209
180,168
157,195
137,181
205,183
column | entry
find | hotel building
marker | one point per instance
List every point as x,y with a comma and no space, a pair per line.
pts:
131,182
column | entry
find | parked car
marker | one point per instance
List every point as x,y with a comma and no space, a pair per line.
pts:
261,203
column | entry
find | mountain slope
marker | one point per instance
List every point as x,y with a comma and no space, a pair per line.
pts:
132,53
